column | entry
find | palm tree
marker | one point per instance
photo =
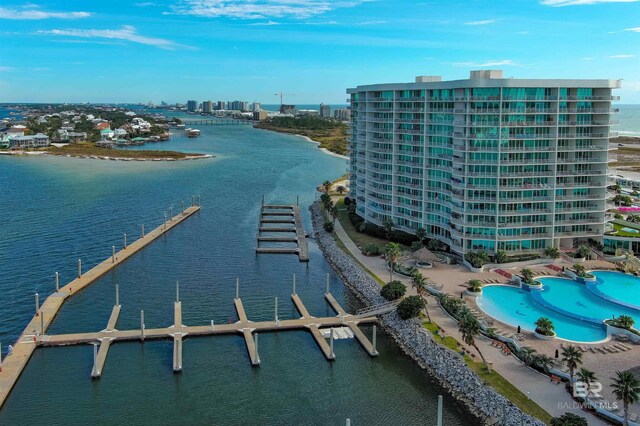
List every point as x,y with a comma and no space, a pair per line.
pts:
527,274
418,281
388,225
544,361
587,377
626,388
392,253
544,326
421,233
469,327
527,354
572,357
326,185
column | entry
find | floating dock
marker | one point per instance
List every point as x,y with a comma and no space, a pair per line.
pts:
34,333
279,215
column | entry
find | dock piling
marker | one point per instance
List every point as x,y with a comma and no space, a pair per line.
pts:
0,357
57,283
165,220
198,201
237,288
297,200
94,370
192,201
41,322
255,342
142,325
170,213
125,240
328,283
348,423
37,304
332,355
439,410
373,340
79,268
277,321
113,254
177,291
117,295
142,226
294,283
182,206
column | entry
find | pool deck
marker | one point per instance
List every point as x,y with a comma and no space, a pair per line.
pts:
552,397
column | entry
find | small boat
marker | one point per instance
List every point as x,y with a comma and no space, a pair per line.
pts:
180,126
193,133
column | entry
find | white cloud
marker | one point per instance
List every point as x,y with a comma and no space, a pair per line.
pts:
34,14
371,23
635,30
145,4
622,56
558,3
483,22
587,58
127,33
268,23
490,63
260,9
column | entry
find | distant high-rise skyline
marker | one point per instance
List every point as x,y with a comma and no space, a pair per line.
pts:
57,51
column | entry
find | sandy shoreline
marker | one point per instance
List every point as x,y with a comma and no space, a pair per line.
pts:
326,151
106,157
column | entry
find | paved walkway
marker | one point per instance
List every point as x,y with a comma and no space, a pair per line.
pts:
551,397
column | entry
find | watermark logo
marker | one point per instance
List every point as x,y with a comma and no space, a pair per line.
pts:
590,393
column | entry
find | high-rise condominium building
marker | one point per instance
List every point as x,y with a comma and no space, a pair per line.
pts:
487,163
192,106
325,111
207,106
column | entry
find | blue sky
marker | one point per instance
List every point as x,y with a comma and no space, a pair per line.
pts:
174,50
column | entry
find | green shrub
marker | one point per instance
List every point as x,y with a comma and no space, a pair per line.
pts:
569,419
552,252
393,290
371,249
328,226
410,307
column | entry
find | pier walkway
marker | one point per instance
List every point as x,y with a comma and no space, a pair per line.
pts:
12,366
218,122
245,327
283,219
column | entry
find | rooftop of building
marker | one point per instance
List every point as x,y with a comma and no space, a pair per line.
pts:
623,228
489,78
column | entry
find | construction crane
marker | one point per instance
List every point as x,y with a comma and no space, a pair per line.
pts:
281,95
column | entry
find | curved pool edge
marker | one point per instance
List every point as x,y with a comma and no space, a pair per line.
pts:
593,288
538,298
581,342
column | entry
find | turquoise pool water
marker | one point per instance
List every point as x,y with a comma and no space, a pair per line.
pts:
617,287
573,299
516,307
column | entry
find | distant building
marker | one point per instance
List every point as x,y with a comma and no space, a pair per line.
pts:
325,111
260,115
102,126
222,105
33,141
107,134
287,109
309,112
192,106
244,106
342,114
256,106
207,107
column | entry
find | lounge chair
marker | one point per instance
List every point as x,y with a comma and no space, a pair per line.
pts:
633,417
582,348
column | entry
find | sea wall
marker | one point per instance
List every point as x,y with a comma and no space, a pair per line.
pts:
443,364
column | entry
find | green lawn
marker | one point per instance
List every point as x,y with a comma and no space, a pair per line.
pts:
360,239
619,232
493,379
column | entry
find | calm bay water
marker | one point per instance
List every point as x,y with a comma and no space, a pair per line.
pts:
56,210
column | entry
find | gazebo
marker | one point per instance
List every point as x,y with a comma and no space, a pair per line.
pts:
424,258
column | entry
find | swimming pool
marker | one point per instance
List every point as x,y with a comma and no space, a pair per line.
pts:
617,287
573,299
517,307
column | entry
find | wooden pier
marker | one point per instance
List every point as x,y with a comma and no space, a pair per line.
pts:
245,327
34,333
280,215
217,122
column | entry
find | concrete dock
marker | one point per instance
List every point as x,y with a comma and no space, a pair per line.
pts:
246,328
34,332
282,215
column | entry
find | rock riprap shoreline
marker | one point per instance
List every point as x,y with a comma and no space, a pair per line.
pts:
443,364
